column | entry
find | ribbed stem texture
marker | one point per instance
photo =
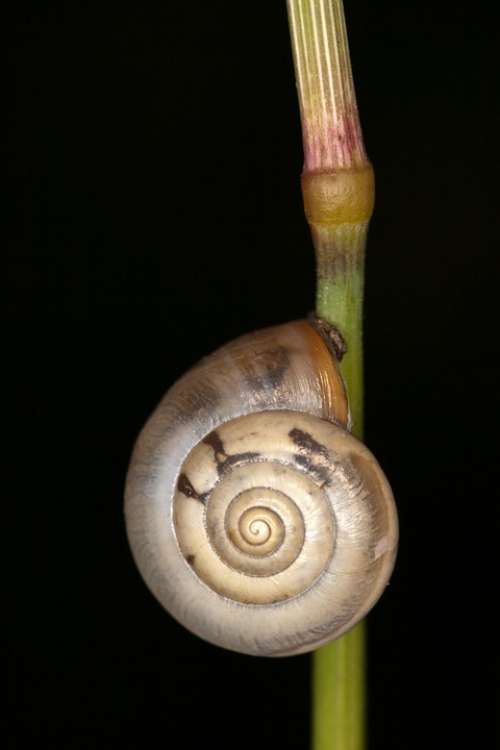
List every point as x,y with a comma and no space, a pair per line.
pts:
338,190
330,123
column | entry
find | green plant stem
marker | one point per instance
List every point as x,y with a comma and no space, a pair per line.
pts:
338,190
338,670
338,712
338,681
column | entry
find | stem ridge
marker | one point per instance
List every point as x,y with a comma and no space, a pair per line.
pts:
338,191
329,113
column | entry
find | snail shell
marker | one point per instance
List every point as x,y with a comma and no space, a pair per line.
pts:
256,519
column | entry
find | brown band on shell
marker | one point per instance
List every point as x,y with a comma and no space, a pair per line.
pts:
267,369
224,460
306,441
309,449
184,485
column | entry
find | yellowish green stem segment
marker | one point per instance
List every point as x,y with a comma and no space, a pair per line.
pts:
338,190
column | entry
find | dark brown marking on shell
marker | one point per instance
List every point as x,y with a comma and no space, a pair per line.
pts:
267,370
238,458
214,441
190,559
307,443
320,473
185,486
314,457
223,460
330,335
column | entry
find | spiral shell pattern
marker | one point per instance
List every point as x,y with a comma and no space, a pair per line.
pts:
265,529
261,525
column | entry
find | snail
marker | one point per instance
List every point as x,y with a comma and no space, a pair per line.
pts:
255,517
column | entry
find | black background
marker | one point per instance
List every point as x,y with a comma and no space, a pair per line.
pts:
154,159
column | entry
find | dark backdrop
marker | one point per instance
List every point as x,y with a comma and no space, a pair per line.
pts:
154,160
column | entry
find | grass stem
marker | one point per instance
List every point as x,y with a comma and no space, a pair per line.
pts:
338,190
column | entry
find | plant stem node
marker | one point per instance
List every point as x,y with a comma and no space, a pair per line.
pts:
343,196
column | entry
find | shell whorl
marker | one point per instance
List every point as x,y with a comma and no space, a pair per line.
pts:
264,529
257,521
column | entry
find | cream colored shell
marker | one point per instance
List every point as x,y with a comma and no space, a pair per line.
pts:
258,523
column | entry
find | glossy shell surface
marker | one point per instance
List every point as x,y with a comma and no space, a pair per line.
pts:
255,518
